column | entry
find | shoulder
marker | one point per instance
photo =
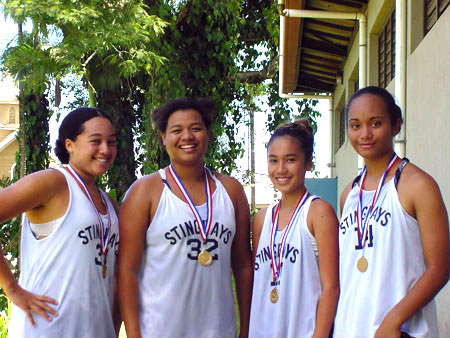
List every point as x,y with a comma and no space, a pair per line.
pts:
321,209
141,201
228,181
257,226
413,177
319,205
415,185
233,187
146,184
49,175
260,216
48,179
145,188
344,195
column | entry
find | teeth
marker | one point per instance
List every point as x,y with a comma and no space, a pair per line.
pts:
101,159
188,146
282,180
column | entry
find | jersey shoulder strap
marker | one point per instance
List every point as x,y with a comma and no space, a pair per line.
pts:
399,170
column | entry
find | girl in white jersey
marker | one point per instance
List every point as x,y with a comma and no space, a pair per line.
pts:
65,287
393,233
295,246
183,229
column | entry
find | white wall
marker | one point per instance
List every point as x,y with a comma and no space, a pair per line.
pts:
428,121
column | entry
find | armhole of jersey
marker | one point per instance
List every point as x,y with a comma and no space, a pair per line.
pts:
162,173
399,170
57,221
311,237
356,180
211,174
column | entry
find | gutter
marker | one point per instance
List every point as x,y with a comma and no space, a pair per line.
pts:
400,72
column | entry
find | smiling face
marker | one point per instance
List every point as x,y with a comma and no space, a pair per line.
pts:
94,150
287,165
370,129
186,138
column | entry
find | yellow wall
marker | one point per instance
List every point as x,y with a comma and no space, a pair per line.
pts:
7,158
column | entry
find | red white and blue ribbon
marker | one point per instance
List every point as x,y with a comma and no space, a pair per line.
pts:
104,229
204,227
278,259
362,228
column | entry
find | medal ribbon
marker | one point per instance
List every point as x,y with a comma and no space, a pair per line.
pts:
203,228
104,230
362,228
276,265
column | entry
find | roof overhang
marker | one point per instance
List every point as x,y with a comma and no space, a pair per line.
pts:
314,50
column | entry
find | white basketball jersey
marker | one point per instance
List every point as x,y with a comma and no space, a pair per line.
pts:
66,266
395,262
178,297
294,314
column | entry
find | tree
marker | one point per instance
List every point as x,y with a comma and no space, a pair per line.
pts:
95,39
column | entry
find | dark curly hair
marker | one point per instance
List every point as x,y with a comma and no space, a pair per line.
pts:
72,126
394,111
301,131
205,107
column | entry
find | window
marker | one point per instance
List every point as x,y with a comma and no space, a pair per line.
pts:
12,115
433,10
386,52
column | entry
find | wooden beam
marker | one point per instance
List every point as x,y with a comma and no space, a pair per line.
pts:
329,24
323,47
324,34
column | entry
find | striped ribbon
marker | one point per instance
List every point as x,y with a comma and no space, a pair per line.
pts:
276,264
362,228
204,227
104,229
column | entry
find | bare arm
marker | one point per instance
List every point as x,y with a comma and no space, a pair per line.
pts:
36,194
421,198
134,218
241,257
117,318
343,197
323,224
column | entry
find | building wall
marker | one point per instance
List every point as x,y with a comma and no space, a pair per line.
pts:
7,158
346,167
8,103
428,121
5,109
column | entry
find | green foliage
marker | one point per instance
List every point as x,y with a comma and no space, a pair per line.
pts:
259,43
103,42
200,46
72,32
5,316
35,124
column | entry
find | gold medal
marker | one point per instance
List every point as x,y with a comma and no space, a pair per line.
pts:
274,295
104,269
205,258
362,264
